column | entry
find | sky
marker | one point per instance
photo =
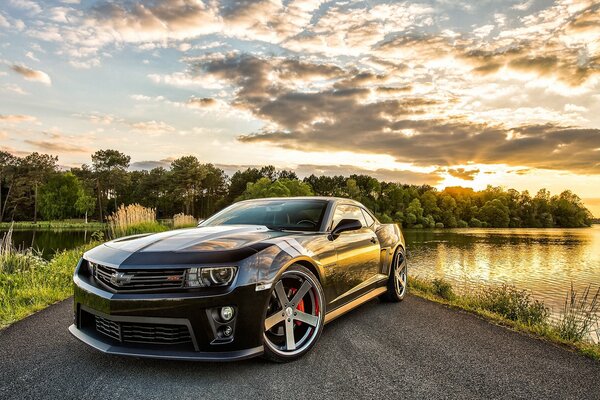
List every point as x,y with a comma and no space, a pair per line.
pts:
439,92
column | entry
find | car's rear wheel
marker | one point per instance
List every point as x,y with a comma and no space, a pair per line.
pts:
294,316
398,281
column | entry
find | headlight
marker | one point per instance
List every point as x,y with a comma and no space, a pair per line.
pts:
91,268
210,276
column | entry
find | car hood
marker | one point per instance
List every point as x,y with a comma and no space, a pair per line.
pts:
210,238
213,244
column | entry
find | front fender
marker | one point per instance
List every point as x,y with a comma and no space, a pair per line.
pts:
274,260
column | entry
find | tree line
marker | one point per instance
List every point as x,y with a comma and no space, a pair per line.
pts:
33,186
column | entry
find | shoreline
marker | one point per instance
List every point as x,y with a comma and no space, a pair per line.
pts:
439,291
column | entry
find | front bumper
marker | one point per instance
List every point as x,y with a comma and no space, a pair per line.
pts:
177,325
122,350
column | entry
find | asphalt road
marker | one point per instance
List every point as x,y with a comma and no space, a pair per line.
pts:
415,349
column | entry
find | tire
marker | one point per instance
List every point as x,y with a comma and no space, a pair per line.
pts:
292,325
397,284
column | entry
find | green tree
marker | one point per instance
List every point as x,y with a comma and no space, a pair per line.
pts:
34,169
414,212
569,212
214,188
186,175
495,214
239,182
8,166
59,196
280,188
85,204
110,167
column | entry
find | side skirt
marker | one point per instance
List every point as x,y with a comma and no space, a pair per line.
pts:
354,303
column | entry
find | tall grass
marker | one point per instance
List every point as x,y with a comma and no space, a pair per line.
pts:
13,259
184,221
580,314
516,308
133,219
29,283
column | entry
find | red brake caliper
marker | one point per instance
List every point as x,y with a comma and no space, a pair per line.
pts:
300,304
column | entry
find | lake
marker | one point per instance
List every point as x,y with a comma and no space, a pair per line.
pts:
544,261
49,242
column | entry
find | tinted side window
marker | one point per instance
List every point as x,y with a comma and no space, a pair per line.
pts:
347,212
368,218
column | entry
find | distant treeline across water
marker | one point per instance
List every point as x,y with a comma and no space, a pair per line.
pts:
33,186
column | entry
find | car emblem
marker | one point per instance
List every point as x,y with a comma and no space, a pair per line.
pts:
120,278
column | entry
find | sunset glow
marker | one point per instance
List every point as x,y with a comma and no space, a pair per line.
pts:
442,93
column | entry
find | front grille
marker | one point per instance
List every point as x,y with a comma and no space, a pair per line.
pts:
126,280
109,328
143,332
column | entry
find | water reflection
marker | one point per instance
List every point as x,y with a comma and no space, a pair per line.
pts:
544,261
49,242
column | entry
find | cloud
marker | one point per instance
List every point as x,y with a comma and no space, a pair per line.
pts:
160,20
27,5
55,141
16,118
464,174
523,6
31,74
14,152
152,127
56,146
412,129
4,22
203,102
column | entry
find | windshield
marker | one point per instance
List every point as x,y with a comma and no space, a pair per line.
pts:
299,215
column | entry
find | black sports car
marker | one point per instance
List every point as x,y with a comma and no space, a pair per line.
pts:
259,277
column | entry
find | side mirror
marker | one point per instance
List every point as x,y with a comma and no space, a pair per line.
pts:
345,225
200,221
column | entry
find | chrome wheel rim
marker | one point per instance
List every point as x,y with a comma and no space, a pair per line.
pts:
294,314
400,274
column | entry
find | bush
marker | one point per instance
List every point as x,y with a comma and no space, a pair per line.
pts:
443,289
475,223
462,224
439,225
513,304
418,226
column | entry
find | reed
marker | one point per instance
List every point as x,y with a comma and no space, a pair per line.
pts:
14,260
133,219
184,221
580,314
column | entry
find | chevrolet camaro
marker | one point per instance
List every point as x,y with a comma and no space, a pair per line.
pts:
261,277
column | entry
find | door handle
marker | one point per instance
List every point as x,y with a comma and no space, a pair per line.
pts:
373,239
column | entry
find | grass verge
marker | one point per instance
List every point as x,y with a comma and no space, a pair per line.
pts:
28,283
513,308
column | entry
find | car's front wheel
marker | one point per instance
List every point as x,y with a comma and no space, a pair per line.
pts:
294,316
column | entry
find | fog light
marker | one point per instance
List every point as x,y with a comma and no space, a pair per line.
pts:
227,313
227,331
